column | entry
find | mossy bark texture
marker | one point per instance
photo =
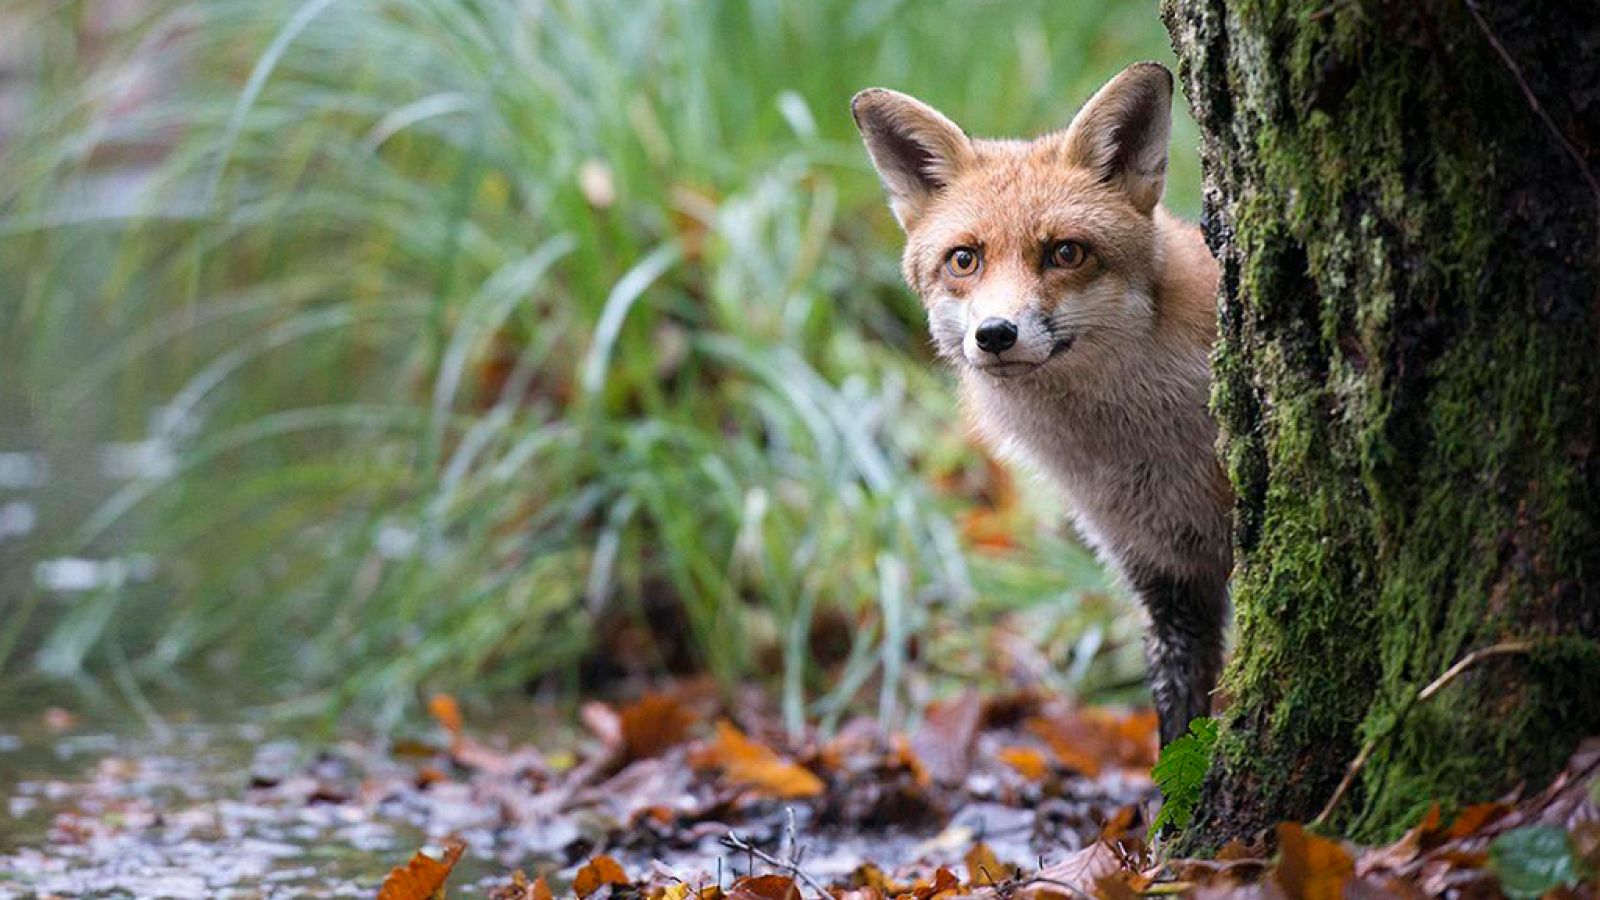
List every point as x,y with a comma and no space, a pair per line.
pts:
1402,197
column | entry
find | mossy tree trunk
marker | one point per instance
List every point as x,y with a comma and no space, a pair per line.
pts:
1403,199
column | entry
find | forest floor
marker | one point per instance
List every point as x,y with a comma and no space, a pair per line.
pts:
676,794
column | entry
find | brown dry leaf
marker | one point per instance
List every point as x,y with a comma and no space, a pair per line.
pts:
1130,737
521,888
764,887
1424,836
423,877
901,756
1077,873
1236,849
757,766
600,871
984,869
944,742
1311,867
1475,817
1116,886
1068,744
1029,762
652,724
680,890
1117,826
447,713
1089,739
944,882
429,775
871,877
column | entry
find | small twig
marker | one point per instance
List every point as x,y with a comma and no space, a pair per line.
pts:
1506,648
732,841
1040,879
1533,102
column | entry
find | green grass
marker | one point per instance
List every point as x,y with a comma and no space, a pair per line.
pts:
436,415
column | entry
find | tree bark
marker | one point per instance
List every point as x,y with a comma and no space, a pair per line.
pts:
1403,199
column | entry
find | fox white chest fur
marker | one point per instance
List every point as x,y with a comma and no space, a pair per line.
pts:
1124,457
1080,316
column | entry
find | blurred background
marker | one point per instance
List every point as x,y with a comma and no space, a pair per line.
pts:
356,349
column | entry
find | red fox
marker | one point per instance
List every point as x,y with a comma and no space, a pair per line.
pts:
1081,315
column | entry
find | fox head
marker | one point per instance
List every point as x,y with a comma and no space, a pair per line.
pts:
1033,255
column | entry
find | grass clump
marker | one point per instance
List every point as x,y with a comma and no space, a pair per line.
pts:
438,338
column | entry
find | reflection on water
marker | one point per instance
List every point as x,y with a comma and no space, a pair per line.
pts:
101,808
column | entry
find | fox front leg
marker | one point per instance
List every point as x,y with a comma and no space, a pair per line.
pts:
1183,646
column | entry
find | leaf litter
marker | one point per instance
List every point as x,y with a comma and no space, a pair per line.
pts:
676,796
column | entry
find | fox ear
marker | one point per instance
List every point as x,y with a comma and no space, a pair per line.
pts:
915,149
1122,132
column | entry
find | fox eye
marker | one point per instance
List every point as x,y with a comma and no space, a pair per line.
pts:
962,262
1068,254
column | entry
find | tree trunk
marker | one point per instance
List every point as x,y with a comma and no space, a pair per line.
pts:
1403,199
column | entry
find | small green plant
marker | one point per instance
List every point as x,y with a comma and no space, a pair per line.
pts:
1530,861
1181,773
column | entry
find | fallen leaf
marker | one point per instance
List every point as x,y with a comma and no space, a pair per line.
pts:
1086,740
1423,836
944,882
1236,849
1474,818
447,713
758,767
984,869
1586,844
1117,826
901,756
1311,867
1077,873
652,724
870,877
944,742
423,877
1029,762
1115,886
600,871
522,889
764,887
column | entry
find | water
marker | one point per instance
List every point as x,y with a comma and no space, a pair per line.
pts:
102,807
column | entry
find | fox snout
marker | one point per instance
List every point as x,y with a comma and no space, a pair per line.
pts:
1003,343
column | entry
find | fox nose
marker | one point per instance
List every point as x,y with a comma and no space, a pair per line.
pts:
996,335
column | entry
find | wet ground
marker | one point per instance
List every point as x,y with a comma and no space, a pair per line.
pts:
105,809
202,809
